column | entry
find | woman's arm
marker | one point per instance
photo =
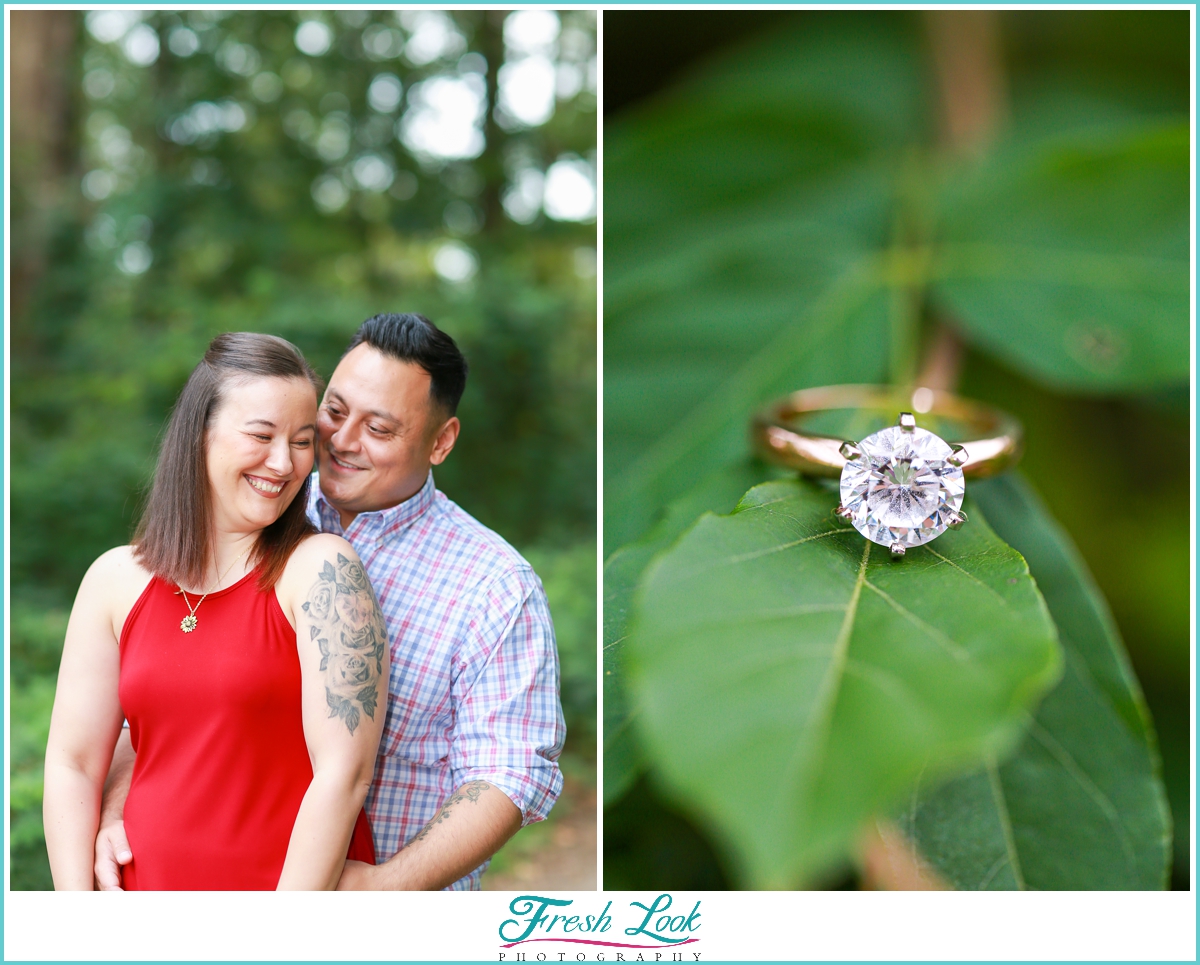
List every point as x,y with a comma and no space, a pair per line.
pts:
343,647
86,720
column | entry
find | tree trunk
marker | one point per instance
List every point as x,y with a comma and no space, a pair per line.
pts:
42,70
491,163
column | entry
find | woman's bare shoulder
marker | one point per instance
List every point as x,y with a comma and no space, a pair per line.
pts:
111,586
325,542
318,548
118,567
319,557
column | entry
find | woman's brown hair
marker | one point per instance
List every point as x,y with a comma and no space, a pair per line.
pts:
175,535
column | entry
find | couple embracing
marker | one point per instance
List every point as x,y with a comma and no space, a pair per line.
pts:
304,682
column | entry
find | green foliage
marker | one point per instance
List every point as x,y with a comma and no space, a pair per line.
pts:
785,671
779,219
1079,804
29,717
650,844
1125,523
622,756
743,222
569,578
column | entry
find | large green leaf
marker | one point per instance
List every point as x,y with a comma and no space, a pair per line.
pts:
792,680
1070,258
1080,805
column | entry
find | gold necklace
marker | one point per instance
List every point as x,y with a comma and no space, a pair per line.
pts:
188,623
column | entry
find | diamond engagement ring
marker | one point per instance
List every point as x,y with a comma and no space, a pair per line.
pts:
901,486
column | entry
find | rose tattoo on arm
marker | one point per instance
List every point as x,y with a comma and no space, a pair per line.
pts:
344,619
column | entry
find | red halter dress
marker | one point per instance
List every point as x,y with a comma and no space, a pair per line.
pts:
215,718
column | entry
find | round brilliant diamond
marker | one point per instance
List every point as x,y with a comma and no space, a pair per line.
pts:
902,488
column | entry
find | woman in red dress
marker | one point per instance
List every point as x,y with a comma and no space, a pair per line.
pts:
247,653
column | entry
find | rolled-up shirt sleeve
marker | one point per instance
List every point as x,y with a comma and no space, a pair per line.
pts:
508,727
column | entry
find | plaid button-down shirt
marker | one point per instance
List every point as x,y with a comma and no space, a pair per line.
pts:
474,676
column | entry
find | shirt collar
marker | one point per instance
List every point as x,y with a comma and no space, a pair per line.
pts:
377,523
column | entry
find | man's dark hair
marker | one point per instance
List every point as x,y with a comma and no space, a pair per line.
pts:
414,338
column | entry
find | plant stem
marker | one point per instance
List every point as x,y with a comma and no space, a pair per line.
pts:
908,270
966,52
942,363
965,47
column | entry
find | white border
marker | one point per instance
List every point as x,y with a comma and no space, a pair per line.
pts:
834,926
599,449
779,926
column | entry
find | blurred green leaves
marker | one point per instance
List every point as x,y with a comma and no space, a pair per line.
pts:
35,647
744,218
1069,260
569,578
780,219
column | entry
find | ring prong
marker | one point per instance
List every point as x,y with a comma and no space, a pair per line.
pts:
843,512
907,422
955,518
850,451
958,456
897,550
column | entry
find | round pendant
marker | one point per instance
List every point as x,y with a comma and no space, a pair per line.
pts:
188,623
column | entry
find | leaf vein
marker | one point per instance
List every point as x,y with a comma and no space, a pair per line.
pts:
823,704
1101,800
682,629
1010,844
763,505
610,735
952,647
970,576
992,872
755,554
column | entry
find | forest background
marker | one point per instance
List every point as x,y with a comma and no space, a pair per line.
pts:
180,174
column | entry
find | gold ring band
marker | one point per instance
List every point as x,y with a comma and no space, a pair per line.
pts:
995,444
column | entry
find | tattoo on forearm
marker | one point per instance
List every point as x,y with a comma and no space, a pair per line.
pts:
344,619
471,791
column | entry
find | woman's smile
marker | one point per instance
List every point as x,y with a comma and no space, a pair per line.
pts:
266,487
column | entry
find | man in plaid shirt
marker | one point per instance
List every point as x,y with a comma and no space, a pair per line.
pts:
474,725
